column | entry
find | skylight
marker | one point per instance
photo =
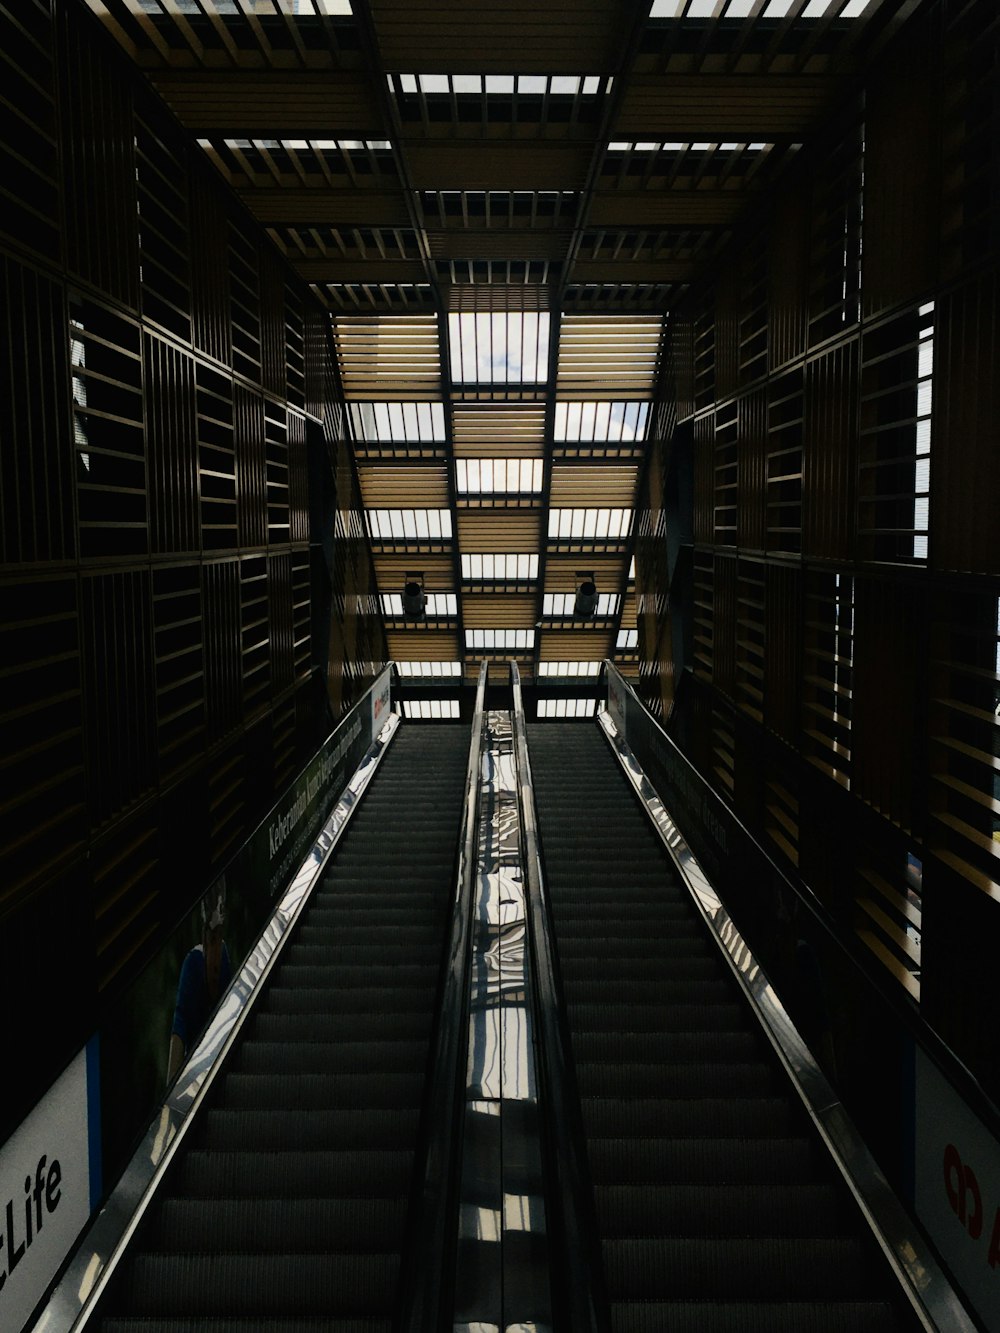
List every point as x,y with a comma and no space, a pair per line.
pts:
568,668
410,524
484,476
524,85
925,397
656,146
398,422
436,670
505,347
562,603
611,422
567,707
500,638
428,710
307,145
741,9
627,638
589,524
500,566
438,604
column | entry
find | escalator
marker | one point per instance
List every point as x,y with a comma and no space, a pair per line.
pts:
717,1208
288,1207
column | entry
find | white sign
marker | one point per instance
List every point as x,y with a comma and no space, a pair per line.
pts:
616,703
958,1189
44,1194
380,702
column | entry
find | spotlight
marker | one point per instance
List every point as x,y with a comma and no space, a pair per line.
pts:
414,597
586,598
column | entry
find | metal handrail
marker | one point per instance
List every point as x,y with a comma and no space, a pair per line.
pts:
578,1295
428,1278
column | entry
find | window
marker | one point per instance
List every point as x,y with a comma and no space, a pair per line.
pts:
437,710
568,668
507,347
414,525
500,638
503,566
491,476
430,669
567,707
609,525
617,422
400,422
562,604
925,393
438,604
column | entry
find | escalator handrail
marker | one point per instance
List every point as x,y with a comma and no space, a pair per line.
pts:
578,1295
426,1283
949,1065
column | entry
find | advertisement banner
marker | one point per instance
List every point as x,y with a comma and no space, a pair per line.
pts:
49,1174
153,1031
957,1189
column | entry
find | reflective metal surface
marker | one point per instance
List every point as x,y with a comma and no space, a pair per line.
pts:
934,1301
75,1296
502,1281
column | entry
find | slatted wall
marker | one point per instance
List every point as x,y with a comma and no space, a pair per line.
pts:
159,372
838,382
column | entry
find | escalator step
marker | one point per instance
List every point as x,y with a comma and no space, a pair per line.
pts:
604,1007
664,1047
736,1268
208,1324
730,1161
278,1089
312,999
661,1080
308,1056
305,1226
271,1131
290,1174
721,1210
373,1027
255,1284
833,1316
690,1117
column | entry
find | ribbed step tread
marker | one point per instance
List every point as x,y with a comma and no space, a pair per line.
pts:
735,1268
351,1027
293,1173
254,1284
837,1316
317,1131
677,1161
207,1324
663,1080
307,1056
277,1089
305,1226
688,1117
721,1210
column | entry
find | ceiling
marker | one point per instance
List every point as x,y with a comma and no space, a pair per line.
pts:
500,205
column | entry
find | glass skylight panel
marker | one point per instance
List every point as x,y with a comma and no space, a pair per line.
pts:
437,670
571,669
925,396
499,347
667,9
398,422
525,85
741,9
589,524
567,707
627,638
562,604
410,524
500,638
432,710
631,570
439,604
610,422
486,476
777,9
501,566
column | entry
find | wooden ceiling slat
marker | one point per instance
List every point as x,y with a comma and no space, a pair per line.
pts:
705,106
609,571
424,645
260,103
498,166
495,530
572,645
412,487
481,610
583,487
324,207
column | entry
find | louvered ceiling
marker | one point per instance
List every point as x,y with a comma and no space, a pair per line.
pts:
499,205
